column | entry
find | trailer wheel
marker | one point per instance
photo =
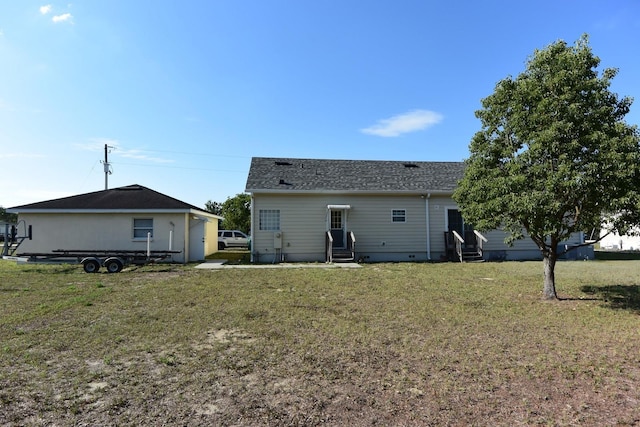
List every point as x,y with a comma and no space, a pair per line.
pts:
113,265
91,266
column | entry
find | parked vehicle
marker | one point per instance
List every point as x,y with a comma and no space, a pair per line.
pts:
232,239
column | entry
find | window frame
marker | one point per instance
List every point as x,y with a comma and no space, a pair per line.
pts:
269,220
398,216
144,228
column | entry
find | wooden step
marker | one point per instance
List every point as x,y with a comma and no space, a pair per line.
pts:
472,257
342,256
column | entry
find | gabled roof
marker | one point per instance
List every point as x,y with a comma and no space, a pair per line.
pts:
279,175
131,198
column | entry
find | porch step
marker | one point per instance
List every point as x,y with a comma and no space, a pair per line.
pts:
472,257
342,256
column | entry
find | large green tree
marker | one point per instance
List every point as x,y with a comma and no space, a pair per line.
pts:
7,217
236,212
213,207
554,155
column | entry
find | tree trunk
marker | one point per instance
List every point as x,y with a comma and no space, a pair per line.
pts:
549,260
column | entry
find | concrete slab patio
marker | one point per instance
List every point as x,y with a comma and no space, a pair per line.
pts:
218,264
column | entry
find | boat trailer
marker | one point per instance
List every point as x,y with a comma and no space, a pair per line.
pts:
112,260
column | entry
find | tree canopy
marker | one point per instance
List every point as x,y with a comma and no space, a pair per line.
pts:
554,155
213,207
235,210
7,217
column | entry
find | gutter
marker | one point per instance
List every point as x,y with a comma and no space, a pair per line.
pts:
349,192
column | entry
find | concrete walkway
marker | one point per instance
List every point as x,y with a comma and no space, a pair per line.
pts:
218,264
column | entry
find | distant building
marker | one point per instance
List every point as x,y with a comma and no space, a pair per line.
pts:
119,219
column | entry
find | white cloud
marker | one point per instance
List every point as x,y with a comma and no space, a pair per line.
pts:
139,155
411,121
65,17
5,106
115,149
97,144
20,155
45,9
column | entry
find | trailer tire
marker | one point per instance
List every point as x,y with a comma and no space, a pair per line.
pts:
90,265
113,265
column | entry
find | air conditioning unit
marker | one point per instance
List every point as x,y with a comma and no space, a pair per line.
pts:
277,240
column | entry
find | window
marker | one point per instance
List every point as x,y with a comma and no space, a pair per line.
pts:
270,219
336,220
142,226
398,215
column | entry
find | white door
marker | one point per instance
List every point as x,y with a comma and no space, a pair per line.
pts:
196,240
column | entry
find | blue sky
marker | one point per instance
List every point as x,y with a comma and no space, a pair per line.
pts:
187,92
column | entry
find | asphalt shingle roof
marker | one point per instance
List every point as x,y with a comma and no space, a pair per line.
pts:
129,197
307,175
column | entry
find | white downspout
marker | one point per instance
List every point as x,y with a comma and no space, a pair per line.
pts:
148,245
253,227
426,206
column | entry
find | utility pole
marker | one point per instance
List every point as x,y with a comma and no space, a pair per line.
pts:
107,167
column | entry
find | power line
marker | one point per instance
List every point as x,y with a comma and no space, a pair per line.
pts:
178,167
187,153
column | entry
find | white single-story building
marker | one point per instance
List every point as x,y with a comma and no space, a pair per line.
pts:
624,242
125,218
325,210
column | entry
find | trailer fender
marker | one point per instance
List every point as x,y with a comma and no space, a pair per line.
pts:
90,264
114,264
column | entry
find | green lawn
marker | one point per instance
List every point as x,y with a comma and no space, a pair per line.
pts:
386,344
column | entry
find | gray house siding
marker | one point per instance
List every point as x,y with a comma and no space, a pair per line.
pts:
526,249
303,224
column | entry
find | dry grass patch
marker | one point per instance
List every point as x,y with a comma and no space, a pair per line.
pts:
387,344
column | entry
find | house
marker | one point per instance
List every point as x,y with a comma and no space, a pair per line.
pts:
624,242
326,210
118,219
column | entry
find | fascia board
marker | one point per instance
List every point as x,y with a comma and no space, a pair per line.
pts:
354,192
105,211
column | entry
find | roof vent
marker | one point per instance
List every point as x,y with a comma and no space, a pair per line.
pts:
410,165
282,163
134,187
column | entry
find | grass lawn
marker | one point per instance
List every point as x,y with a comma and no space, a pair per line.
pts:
386,344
